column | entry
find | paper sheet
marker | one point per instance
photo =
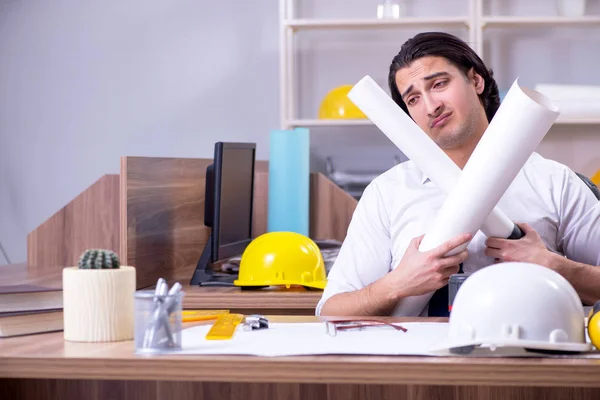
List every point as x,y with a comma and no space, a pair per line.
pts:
287,339
418,147
523,119
294,339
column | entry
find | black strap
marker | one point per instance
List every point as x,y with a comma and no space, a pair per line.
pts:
438,305
590,184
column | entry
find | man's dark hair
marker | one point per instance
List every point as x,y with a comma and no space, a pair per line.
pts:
457,52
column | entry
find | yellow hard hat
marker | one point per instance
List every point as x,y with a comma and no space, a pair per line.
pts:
282,258
337,105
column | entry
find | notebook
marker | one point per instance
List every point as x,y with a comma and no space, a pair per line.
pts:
29,322
28,297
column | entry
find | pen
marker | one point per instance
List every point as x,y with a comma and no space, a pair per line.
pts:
171,302
164,305
159,292
167,309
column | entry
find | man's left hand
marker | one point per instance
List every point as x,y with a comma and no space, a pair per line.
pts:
530,248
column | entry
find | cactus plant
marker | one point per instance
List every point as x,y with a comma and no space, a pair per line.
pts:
99,259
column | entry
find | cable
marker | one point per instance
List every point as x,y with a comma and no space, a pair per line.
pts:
4,254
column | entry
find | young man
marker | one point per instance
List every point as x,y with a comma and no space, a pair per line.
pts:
446,89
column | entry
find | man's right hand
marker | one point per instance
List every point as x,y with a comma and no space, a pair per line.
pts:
422,272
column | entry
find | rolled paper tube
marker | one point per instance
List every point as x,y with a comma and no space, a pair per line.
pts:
289,181
420,148
523,119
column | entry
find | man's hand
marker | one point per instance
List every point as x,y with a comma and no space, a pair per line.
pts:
423,272
530,248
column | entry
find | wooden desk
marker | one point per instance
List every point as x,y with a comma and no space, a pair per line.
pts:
14,274
270,301
46,367
276,301
152,215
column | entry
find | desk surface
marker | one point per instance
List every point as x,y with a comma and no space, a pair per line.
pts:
49,356
264,301
13,274
273,301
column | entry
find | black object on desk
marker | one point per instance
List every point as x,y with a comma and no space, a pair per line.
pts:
442,299
205,275
229,191
438,304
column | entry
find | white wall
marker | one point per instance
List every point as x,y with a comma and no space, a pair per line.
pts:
85,82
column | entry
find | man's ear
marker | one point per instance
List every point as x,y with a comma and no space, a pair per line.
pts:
476,80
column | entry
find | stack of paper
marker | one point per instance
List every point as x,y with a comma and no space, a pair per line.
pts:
296,339
26,309
287,339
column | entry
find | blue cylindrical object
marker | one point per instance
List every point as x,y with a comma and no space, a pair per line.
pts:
289,181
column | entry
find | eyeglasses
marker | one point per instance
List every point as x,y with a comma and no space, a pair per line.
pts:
333,327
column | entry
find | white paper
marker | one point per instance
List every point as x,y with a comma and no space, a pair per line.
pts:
418,147
296,339
523,119
290,339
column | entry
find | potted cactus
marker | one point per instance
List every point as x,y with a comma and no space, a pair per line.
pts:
98,298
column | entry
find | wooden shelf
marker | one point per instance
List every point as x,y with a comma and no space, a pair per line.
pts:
504,21
309,123
567,120
474,22
369,23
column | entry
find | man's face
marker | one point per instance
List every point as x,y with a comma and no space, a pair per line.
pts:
442,101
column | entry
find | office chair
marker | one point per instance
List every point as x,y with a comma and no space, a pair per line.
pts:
589,184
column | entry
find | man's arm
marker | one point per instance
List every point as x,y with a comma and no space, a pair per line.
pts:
364,257
361,281
578,238
418,273
584,278
378,298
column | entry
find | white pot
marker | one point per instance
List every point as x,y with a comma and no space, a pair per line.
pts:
98,304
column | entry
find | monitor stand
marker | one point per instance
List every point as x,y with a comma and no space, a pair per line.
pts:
205,275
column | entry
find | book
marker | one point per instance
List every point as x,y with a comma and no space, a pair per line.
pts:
29,297
30,322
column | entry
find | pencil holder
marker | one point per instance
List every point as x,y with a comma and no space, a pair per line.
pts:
158,322
98,299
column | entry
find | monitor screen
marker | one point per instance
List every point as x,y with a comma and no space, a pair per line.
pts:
236,200
234,184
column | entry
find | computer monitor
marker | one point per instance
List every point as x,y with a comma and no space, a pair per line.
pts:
229,190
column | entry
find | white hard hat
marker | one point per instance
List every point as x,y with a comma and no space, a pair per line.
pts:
517,304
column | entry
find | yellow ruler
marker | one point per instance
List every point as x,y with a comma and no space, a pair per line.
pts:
201,315
224,327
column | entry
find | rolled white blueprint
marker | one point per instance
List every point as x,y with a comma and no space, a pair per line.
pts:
420,148
523,119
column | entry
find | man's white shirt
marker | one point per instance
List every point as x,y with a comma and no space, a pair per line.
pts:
402,204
